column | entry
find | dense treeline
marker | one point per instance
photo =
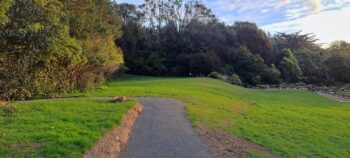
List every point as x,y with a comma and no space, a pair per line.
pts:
53,46
177,38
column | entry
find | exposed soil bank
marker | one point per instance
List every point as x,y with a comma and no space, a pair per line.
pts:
113,142
2,103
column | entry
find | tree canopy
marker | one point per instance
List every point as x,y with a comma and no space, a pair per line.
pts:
52,46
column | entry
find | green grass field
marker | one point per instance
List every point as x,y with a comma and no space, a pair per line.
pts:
56,128
289,123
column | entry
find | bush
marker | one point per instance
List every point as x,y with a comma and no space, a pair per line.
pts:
214,75
234,79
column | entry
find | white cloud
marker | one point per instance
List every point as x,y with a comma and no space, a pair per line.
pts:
315,5
233,5
328,26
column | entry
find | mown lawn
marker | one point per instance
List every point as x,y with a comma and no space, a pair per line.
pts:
289,123
56,128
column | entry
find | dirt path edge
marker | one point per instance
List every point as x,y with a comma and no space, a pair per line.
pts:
111,144
224,145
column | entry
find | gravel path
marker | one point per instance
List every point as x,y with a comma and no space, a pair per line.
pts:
163,131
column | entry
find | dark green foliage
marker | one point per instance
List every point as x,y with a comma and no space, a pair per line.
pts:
201,64
256,40
234,79
289,67
249,66
336,66
271,75
187,45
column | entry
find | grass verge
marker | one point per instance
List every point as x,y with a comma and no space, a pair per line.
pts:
56,128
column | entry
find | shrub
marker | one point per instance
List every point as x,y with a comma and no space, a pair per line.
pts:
214,75
234,79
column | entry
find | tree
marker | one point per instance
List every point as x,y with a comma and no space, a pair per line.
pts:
289,67
271,75
159,13
336,68
168,29
36,48
337,62
248,66
96,26
310,64
256,40
201,64
53,46
295,41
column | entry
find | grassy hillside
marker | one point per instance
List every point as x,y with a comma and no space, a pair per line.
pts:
290,123
56,128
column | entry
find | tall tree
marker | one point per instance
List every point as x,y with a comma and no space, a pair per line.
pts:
337,62
295,41
256,40
289,67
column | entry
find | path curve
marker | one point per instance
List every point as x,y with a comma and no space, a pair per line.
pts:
334,97
163,130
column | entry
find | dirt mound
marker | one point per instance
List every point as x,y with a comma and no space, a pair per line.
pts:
224,145
112,143
2,103
117,99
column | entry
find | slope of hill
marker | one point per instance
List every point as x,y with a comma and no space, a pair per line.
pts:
289,123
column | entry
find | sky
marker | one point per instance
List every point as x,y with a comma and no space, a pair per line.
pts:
329,20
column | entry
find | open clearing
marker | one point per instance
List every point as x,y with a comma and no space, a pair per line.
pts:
288,123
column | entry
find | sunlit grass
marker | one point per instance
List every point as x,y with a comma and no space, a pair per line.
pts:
289,123
56,128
